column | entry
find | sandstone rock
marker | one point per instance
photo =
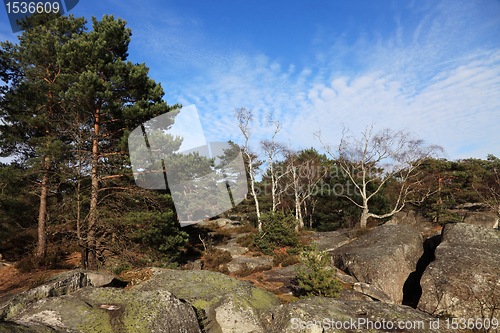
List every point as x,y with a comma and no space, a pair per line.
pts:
285,275
57,285
235,250
217,222
222,222
233,239
384,258
220,300
489,220
415,220
371,291
316,313
353,295
330,240
110,310
7,327
241,262
231,225
345,278
464,279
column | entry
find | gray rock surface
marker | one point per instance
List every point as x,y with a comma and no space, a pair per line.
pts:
110,310
9,327
57,285
464,279
415,220
235,250
484,219
371,291
384,258
240,262
353,295
312,315
225,304
330,240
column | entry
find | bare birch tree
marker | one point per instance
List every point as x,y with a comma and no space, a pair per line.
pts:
377,158
244,118
273,149
303,175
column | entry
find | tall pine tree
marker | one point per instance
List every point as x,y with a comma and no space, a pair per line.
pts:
115,96
31,106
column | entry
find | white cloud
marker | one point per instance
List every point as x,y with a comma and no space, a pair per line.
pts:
437,77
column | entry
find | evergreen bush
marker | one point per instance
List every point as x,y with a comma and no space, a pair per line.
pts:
278,230
318,279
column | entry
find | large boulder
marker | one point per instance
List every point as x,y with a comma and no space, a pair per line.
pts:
57,285
318,314
383,258
464,279
416,220
242,262
484,219
223,303
330,240
109,310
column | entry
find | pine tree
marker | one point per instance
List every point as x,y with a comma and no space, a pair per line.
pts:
115,96
31,107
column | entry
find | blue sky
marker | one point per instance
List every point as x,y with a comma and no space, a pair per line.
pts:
430,67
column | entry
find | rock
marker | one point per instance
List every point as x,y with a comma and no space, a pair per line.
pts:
353,295
222,222
330,240
110,310
484,219
285,275
233,239
371,291
57,285
219,223
471,206
384,258
317,314
231,225
194,265
6,327
415,220
345,278
464,279
241,262
235,250
221,301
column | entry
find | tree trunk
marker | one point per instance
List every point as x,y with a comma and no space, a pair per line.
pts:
91,234
42,213
254,195
364,217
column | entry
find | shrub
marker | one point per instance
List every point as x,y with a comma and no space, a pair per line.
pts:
320,280
159,231
215,259
25,265
245,240
221,235
278,230
123,267
284,257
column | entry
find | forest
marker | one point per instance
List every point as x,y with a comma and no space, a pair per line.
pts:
69,101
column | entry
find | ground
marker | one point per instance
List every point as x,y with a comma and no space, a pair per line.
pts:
13,280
